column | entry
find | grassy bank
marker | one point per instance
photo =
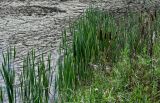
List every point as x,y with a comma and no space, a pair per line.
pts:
111,59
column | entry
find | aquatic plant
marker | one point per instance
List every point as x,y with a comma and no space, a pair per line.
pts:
100,41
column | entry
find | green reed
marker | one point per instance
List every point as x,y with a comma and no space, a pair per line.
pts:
90,36
34,83
8,74
100,38
35,80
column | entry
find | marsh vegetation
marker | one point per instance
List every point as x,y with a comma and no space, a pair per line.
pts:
103,59
111,59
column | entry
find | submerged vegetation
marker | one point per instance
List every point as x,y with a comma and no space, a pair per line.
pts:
106,59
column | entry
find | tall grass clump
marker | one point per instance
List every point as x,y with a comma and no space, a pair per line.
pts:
35,80
91,37
8,74
121,53
33,85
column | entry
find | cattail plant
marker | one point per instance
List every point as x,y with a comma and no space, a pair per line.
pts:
98,39
90,36
8,74
35,80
